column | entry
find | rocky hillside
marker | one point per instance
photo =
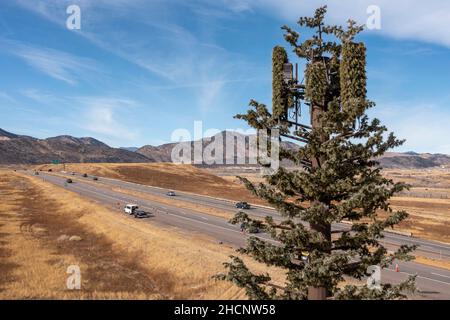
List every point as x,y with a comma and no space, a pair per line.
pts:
235,149
410,160
16,149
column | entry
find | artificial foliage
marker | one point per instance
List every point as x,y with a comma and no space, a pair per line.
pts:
281,99
344,183
316,83
353,75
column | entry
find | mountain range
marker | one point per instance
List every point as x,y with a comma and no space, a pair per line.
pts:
21,149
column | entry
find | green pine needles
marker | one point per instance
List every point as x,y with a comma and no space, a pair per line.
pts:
279,88
344,183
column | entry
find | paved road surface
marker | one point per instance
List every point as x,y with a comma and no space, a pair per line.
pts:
432,282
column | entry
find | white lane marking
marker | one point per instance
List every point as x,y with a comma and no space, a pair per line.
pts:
440,275
421,277
419,249
175,215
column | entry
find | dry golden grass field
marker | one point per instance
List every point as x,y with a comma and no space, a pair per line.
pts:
153,263
427,202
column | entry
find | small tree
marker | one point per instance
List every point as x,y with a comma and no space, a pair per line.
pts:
344,182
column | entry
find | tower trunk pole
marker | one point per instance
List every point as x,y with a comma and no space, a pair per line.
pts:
318,293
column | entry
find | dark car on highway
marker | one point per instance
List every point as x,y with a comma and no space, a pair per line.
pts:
69,181
242,205
140,214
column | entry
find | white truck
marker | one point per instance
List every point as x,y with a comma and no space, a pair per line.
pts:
130,208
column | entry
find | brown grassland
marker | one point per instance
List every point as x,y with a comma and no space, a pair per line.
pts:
427,202
155,263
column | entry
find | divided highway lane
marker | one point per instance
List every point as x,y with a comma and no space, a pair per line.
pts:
184,219
432,282
426,248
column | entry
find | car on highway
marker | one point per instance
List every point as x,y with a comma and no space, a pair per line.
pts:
242,205
69,181
171,194
73,173
85,175
95,178
139,214
133,209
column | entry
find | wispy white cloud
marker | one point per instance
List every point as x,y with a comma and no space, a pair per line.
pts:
110,119
39,96
54,63
107,118
161,46
427,21
414,125
7,97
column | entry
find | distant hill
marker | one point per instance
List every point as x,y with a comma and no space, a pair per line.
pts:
160,153
408,159
240,152
412,160
5,135
17,149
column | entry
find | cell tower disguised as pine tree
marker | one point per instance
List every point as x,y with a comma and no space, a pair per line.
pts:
341,180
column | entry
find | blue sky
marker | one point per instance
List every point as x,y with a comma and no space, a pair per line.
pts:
139,69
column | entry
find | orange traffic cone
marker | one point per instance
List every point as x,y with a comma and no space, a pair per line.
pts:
397,269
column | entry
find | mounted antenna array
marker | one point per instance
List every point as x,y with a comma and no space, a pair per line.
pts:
287,94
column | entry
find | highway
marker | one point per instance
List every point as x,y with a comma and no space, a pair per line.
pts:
426,248
432,282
